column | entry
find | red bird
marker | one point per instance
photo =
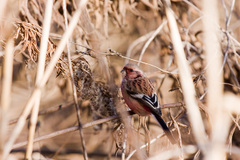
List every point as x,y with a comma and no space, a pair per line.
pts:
138,93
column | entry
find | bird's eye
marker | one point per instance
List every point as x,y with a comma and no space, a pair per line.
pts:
131,70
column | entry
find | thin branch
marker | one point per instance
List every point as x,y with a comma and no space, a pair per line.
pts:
67,130
114,53
162,70
232,131
187,31
74,87
181,156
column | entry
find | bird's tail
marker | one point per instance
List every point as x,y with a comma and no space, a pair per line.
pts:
165,128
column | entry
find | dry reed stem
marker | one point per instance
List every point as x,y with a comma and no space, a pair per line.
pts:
218,117
49,69
40,72
187,15
67,130
74,87
186,81
155,33
6,92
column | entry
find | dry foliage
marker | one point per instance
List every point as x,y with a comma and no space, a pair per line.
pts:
134,30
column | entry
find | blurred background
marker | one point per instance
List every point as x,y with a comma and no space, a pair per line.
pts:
106,29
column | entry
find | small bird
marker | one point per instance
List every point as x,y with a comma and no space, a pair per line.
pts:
138,93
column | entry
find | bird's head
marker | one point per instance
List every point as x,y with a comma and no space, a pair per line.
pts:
132,71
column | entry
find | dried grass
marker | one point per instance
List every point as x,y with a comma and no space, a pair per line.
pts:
193,62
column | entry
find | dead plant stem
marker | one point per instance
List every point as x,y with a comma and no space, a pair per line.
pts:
18,128
67,130
40,72
6,92
74,88
186,81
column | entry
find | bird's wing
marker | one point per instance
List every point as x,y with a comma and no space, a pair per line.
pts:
141,89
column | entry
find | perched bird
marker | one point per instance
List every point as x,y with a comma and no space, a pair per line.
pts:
138,93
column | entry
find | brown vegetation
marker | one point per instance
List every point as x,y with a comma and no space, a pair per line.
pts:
60,78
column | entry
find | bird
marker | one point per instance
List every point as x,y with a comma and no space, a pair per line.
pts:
138,93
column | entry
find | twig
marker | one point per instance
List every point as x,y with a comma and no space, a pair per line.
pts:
187,31
67,130
74,88
181,156
114,53
235,121
228,18
230,138
162,70
40,72
196,156
233,74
